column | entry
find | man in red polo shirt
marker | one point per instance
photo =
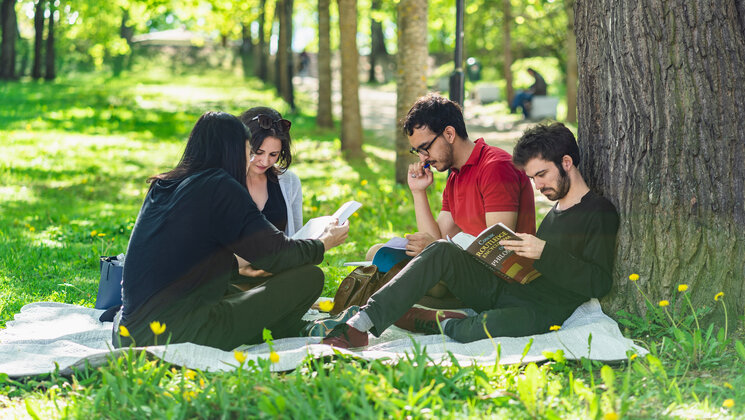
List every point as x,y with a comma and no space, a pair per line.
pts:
483,188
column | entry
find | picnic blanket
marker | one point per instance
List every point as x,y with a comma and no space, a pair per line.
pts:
44,335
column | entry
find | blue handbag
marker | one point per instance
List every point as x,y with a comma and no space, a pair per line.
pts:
110,285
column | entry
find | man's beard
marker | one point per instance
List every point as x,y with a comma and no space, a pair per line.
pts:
561,190
446,162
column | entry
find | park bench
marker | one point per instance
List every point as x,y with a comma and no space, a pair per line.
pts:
542,107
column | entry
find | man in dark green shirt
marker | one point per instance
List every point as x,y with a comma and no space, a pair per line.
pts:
574,249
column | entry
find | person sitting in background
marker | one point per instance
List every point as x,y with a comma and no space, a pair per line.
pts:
275,190
524,98
181,255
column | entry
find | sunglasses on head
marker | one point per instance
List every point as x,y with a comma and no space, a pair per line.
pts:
266,122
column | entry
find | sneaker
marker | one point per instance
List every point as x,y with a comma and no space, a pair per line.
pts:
345,337
421,320
322,327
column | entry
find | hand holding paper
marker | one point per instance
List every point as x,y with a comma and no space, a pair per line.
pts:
334,234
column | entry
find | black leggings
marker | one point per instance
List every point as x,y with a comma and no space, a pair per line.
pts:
238,318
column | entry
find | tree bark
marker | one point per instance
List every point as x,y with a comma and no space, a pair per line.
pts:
38,39
661,100
50,73
351,121
411,80
507,48
8,44
282,50
262,47
571,48
324,116
246,49
378,52
288,91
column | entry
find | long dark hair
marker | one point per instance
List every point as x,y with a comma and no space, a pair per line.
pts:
259,134
218,140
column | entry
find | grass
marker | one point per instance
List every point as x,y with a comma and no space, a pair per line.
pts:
74,156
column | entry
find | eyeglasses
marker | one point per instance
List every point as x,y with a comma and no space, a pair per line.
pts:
424,149
266,122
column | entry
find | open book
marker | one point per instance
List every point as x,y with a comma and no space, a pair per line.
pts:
486,249
315,226
390,254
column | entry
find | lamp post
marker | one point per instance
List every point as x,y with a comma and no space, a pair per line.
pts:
457,80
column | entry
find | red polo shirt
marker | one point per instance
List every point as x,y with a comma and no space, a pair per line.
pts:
488,182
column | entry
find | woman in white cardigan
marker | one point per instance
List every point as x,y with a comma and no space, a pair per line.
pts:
275,189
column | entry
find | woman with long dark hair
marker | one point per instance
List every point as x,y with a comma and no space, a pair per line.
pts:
181,256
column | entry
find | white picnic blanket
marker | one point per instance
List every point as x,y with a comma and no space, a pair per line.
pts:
48,334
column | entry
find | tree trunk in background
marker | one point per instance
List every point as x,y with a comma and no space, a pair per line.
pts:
8,45
378,52
278,63
126,31
262,47
507,48
661,100
288,91
411,79
324,117
38,39
571,46
246,49
282,49
351,121
50,73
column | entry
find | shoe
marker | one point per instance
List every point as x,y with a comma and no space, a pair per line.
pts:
345,337
425,321
322,327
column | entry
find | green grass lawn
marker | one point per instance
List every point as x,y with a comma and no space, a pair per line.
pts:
74,156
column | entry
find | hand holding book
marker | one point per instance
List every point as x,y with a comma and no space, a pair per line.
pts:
529,246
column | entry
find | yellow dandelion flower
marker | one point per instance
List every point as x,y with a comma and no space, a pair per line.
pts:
611,416
140,381
359,193
728,385
123,331
167,394
355,214
274,357
31,229
94,232
240,356
201,383
633,356
326,305
363,182
664,303
157,327
682,287
728,403
555,328
634,277
190,374
718,296
101,235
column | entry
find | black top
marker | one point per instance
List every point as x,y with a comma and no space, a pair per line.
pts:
185,237
538,87
577,261
275,209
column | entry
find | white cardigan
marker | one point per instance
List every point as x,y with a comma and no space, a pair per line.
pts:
292,192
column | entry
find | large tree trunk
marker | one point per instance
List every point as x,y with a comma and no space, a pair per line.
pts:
411,81
662,95
8,45
571,47
263,55
49,70
38,39
283,49
288,91
507,48
324,117
351,121
378,52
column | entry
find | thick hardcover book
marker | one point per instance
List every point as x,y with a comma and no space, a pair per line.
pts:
506,264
